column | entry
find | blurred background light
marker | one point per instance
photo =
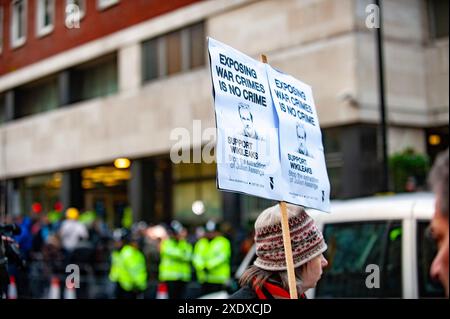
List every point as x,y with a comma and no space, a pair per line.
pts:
198,207
434,139
122,163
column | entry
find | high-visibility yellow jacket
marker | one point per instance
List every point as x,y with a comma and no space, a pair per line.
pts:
54,216
175,260
128,268
211,260
88,217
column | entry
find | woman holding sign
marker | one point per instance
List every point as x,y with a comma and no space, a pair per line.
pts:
267,278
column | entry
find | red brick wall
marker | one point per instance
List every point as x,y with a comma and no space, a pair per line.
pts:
95,24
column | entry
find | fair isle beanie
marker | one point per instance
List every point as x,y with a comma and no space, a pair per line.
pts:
306,239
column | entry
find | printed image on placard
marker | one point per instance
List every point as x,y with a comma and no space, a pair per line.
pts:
246,117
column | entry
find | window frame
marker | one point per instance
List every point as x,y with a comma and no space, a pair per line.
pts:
43,30
105,4
15,41
162,53
2,108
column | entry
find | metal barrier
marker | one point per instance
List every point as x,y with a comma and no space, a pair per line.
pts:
93,280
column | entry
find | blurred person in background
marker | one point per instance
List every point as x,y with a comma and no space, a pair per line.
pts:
128,267
52,266
267,278
25,243
439,226
154,235
41,234
211,260
25,238
72,231
175,261
88,217
52,256
55,216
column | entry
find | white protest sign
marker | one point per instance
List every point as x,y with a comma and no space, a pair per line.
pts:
269,142
301,151
247,135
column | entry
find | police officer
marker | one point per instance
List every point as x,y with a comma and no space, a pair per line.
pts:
175,261
211,260
128,267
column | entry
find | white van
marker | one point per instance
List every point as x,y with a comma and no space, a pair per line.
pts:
386,231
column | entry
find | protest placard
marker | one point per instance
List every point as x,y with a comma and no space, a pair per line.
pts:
269,142
247,134
302,158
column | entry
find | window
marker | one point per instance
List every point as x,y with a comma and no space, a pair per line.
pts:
43,189
2,108
150,59
341,156
196,182
94,79
37,97
75,11
197,45
251,208
18,23
45,20
174,52
353,246
438,17
426,250
1,29
103,4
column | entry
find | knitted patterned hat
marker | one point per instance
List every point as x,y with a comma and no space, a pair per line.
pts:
306,239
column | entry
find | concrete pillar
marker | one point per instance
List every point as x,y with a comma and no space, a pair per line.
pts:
72,190
141,192
130,70
13,198
9,198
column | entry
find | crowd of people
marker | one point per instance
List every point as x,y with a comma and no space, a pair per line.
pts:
131,261
49,241
203,259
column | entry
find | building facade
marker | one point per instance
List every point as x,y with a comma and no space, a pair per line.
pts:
83,83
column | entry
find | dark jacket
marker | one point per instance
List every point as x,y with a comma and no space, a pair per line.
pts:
245,292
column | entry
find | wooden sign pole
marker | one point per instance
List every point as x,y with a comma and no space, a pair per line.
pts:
288,251
286,239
